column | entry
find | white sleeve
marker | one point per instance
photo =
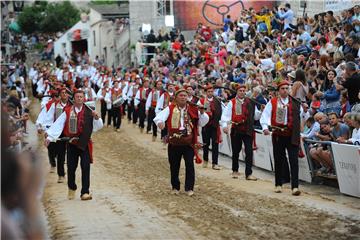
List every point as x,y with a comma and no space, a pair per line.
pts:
137,98
124,92
56,129
257,113
40,87
265,119
148,101
40,119
203,119
99,95
97,124
226,115
162,116
107,97
159,104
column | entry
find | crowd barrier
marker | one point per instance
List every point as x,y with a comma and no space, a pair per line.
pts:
346,161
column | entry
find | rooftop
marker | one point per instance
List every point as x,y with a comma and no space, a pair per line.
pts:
108,11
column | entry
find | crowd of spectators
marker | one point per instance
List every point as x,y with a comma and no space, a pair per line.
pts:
319,55
20,168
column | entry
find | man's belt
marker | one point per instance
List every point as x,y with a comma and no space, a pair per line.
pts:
69,139
281,129
238,123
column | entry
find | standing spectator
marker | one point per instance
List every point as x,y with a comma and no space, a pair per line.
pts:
287,14
352,83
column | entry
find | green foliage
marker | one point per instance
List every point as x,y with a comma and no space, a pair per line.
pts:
164,45
30,19
101,2
39,46
48,18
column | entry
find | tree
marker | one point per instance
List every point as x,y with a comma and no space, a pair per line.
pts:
59,17
30,19
48,18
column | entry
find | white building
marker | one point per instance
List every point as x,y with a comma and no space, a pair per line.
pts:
103,34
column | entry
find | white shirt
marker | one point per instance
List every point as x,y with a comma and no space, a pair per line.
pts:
160,102
57,128
227,114
162,116
355,137
137,97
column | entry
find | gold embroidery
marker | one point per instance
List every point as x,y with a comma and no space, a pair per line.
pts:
73,122
58,110
143,94
280,113
238,107
175,119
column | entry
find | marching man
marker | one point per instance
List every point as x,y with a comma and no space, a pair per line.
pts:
241,112
117,95
77,122
140,101
182,121
212,129
282,113
151,103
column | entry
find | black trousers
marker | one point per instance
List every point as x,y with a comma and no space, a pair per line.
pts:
210,133
280,145
116,114
142,115
52,154
130,109
237,138
124,107
150,123
73,155
105,111
135,112
175,153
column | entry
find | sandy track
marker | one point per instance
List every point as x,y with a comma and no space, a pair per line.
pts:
132,200
217,210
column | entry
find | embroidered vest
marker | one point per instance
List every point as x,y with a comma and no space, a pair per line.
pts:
74,122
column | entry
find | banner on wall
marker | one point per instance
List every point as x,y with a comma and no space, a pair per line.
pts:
347,164
338,5
211,12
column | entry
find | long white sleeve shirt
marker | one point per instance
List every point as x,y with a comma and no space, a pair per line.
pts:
226,115
265,119
137,97
162,116
45,118
57,128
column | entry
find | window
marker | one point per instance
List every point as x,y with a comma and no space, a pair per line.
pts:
163,7
94,38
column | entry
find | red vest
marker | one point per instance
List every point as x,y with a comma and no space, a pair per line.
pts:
191,120
208,110
154,99
144,93
80,121
288,127
167,99
239,121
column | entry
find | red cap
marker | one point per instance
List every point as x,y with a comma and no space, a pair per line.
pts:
53,92
237,86
282,83
208,87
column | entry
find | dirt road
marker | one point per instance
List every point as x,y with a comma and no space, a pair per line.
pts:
132,200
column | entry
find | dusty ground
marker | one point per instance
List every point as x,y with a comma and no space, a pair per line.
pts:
132,200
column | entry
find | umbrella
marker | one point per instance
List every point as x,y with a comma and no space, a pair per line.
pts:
14,26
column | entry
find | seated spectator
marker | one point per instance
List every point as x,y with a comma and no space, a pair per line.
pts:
320,153
355,136
339,130
312,127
